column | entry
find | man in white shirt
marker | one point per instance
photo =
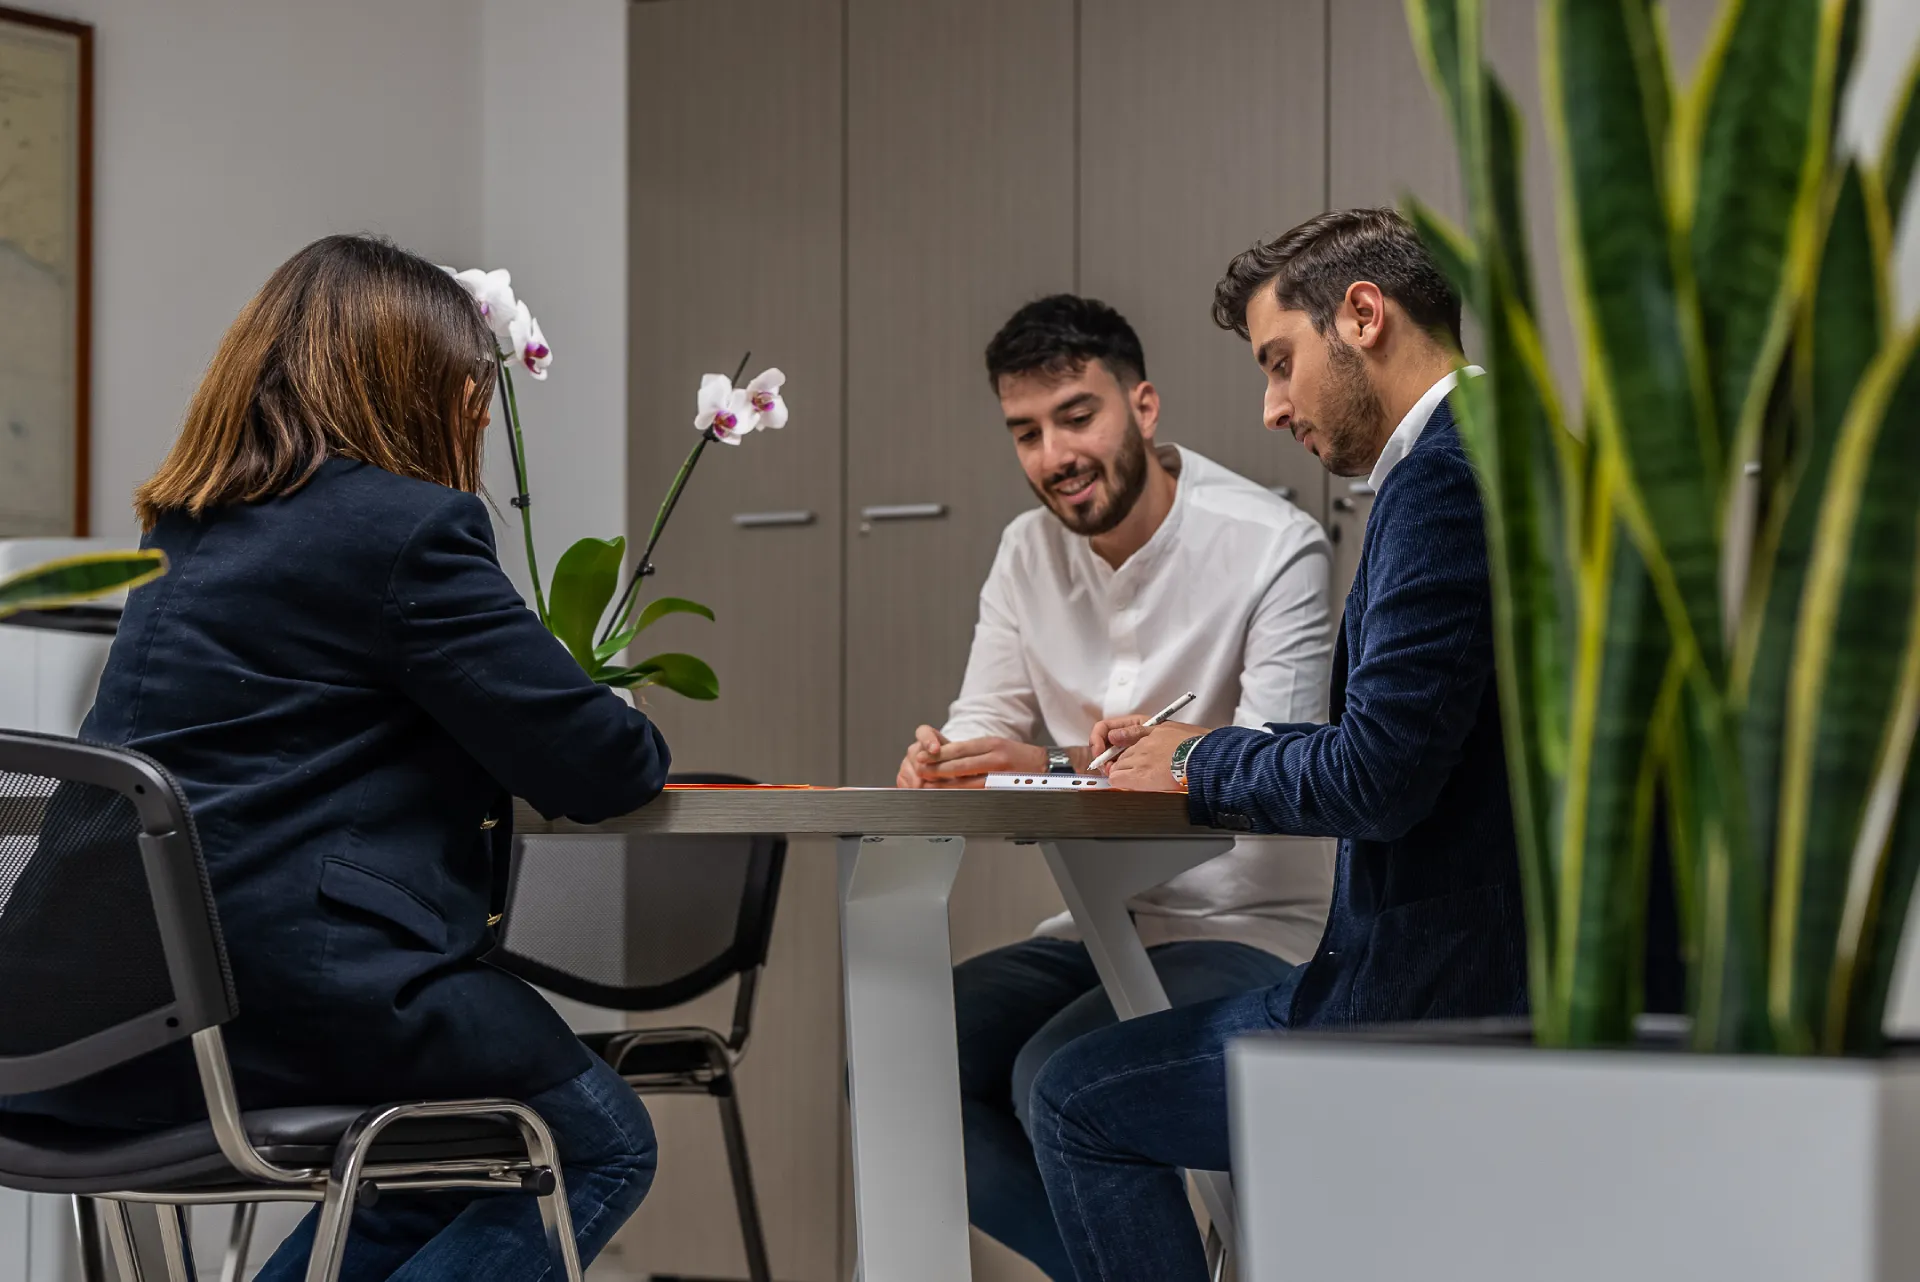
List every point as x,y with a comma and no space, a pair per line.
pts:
1148,572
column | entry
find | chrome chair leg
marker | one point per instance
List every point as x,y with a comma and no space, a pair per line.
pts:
119,1226
735,1133
1216,1255
555,1216
176,1245
239,1241
86,1231
330,1233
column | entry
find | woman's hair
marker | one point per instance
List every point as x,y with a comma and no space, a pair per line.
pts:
352,349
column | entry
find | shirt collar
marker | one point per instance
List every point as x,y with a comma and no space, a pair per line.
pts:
1407,435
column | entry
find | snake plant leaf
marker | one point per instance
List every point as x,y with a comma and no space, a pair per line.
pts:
656,610
1886,858
1842,324
681,673
1759,128
1500,416
1435,28
1903,143
1634,304
1456,256
1846,57
1849,642
71,580
583,583
1620,683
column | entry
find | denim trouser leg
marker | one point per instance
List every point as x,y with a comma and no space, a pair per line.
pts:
1015,1007
607,1156
1117,1117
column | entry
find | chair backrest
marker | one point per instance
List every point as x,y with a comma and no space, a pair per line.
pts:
109,944
634,922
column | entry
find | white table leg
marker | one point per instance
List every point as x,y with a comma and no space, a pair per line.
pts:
909,1169
1096,878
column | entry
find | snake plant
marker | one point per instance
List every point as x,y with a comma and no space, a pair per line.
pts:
71,580
1706,580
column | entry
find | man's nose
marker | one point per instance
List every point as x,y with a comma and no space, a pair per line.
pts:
1056,456
1278,414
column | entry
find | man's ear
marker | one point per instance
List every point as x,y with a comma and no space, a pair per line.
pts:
1362,320
1145,399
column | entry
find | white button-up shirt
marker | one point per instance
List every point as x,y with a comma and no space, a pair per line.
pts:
1228,599
1407,434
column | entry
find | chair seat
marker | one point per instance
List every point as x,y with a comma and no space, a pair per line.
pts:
683,1057
43,1155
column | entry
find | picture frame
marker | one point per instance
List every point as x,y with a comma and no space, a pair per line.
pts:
46,274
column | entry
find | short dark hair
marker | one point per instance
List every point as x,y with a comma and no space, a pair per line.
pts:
1313,265
1059,334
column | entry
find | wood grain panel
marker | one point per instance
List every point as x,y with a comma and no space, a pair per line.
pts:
1202,130
736,216
959,209
892,812
736,226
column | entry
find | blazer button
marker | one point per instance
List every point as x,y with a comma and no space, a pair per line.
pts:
489,823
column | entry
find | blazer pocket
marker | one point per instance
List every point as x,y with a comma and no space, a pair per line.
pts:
370,892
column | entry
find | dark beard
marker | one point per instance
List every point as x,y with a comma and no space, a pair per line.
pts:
1351,431
1126,480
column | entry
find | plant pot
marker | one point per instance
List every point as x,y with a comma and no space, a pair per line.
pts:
1463,1154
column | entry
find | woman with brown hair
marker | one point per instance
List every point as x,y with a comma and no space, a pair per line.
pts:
349,689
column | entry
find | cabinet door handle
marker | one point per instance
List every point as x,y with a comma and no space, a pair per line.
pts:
904,512
760,520
1343,504
1360,487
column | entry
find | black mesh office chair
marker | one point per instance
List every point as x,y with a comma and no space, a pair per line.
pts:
645,924
110,948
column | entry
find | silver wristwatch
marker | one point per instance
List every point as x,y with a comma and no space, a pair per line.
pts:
1182,751
1058,762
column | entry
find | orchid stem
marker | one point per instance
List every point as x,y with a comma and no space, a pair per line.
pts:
623,612
522,499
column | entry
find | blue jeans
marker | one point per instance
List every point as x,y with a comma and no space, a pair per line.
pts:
1118,1115
1015,1008
607,1157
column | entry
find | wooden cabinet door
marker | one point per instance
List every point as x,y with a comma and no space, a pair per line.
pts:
960,196
736,213
1202,130
736,219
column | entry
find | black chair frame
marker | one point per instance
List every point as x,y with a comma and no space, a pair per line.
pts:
713,1071
510,1150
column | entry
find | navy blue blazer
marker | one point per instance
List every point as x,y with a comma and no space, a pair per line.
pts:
347,687
1410,775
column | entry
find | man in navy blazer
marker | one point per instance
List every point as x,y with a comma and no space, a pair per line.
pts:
1357,332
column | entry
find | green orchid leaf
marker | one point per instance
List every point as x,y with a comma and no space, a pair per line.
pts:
1850,638
1759,118
659,609
1606,94
681,673
71,580
1841,326
655,611
1903,143
583,585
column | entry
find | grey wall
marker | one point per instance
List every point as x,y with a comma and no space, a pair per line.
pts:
228,133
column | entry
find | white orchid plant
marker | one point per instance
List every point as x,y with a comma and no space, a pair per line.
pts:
586,575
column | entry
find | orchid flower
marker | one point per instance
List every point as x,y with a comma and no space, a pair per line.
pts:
763,395
494,292
724,411
526,343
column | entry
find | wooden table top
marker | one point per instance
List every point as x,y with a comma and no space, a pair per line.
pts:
897,812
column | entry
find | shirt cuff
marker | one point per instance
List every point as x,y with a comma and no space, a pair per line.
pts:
1202,773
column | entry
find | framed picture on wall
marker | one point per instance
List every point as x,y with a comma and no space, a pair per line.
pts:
46,272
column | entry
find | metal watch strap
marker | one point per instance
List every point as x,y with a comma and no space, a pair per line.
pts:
1182,751
1058,762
